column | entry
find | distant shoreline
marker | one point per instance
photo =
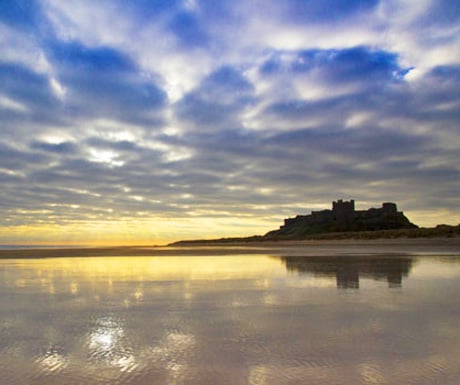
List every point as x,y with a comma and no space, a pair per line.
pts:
321,247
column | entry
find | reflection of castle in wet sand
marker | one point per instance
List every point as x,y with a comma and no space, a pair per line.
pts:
348,272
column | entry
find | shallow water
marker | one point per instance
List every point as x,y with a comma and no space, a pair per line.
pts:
252,319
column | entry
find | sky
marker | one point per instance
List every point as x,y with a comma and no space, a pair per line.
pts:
150,121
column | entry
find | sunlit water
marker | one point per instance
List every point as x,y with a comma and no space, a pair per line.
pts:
255,320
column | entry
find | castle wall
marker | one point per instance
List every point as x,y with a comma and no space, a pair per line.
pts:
344,217
316,217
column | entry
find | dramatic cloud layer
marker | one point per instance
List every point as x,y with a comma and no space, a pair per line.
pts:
149,121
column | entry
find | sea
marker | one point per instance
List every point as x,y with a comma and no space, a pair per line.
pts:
38,246
268,318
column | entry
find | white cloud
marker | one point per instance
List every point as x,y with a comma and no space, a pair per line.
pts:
57,88
11,104
108,157
152,46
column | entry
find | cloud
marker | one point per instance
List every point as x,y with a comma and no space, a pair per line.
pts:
442,13
26,87
56,148
108,78
337,65
181,110
325,12
217,101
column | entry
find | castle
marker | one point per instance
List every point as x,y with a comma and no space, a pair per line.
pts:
343,217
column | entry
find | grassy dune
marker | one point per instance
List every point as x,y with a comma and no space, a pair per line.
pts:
440,231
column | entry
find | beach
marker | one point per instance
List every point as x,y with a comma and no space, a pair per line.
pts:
282,313
417,246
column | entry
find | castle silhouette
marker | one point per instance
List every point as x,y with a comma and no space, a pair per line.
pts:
343,217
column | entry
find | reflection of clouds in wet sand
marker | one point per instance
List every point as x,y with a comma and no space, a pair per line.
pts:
278,324
106,344
173,353
52,361
434,269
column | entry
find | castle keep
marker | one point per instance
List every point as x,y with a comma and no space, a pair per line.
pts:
344,217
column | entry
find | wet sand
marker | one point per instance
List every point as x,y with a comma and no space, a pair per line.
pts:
237,319
317,248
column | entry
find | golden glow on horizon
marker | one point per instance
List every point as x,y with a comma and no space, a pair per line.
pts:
431,218
161,231
134,231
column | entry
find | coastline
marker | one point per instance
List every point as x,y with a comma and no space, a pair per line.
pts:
331,247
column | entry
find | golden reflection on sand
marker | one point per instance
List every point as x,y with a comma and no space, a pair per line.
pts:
434,269
256,320
147,268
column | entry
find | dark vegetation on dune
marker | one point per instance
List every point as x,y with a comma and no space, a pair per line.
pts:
343,222
440,231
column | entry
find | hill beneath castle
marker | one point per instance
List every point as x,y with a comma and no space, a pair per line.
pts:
343,222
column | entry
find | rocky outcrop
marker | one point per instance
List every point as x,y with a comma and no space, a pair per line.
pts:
342,218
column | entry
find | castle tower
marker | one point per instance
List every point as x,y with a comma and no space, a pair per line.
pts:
389,208
343,211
